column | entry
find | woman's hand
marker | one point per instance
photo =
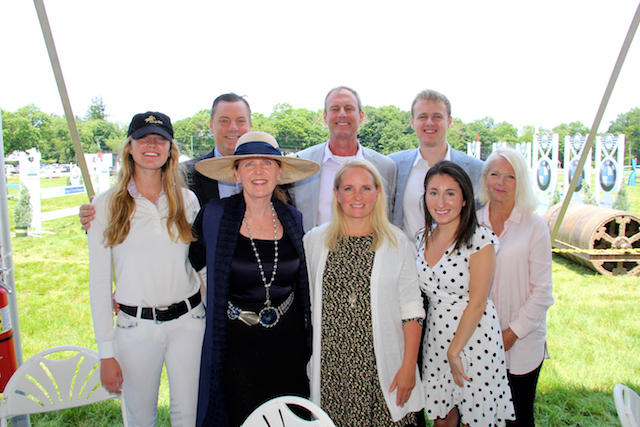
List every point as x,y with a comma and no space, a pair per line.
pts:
111,375
405,381
455,362
509,338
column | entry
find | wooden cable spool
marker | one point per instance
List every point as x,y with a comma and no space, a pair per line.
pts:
598,238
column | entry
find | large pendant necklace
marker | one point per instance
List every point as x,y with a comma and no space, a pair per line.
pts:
269,315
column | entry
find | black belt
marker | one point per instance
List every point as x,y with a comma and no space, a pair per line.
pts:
164,313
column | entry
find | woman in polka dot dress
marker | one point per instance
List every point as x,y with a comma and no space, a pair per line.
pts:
464,373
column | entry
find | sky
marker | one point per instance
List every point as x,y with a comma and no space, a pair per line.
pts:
538,63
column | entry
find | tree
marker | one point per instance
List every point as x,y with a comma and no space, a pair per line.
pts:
482,128
194,133
262,123
629,124
27,128
60,145
387,129
23,211
97,110
622,200
394,138
506,132
527,133
295,129
563,130
99,135
455,135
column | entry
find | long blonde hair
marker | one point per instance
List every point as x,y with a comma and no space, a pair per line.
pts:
122,205
382,228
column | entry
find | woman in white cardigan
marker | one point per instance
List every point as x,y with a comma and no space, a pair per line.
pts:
367,310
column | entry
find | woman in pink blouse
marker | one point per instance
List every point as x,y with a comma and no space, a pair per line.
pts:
522,288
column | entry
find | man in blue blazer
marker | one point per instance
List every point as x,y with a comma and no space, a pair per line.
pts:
343,114
430,119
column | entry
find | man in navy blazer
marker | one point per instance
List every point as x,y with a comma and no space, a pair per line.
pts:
343,114
430,119
230,119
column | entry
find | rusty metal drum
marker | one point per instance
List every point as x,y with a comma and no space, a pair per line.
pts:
598,237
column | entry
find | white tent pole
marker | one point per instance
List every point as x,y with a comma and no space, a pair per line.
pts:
64,96
596,124
7,264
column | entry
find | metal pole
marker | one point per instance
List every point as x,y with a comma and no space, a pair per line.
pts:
64,97
596,122
7,264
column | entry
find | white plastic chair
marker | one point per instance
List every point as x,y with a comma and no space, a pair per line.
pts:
277,413
627,405
42,384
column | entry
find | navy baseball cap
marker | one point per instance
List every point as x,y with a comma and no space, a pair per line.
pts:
150,122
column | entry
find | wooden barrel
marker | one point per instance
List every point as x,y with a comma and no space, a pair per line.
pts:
587,227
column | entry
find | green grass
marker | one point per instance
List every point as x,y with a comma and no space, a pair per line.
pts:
594,332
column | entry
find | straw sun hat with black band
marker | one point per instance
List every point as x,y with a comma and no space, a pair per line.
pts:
257,144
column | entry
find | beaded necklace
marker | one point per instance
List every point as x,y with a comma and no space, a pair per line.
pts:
268,316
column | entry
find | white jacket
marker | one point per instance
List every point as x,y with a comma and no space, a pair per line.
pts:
395,295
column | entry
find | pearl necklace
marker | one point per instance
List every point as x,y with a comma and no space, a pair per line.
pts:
267,286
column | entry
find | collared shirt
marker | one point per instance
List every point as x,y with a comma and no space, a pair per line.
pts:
522,289
132,188
330,165
149,267
226,189
413,214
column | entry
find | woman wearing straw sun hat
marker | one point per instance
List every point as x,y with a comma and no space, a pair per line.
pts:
257,338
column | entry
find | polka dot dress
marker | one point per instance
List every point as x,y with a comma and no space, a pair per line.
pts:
486,400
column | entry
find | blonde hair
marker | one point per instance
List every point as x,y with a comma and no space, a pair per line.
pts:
525,197
122,206
382,228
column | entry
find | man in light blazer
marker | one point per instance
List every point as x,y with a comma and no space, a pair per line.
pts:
343,114
430,119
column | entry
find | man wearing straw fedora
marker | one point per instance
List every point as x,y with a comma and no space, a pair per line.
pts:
343,115
230,119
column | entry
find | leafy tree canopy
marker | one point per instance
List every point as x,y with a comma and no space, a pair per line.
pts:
629,124
97,110
385,129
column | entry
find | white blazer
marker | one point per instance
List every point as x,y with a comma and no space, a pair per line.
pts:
395,295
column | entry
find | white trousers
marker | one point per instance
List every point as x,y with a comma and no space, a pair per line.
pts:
142,347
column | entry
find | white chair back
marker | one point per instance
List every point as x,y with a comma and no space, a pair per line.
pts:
277,413
42,384
627,405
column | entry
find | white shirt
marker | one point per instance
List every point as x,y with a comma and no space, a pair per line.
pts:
150,269
330,165
226,189
413,214
522,289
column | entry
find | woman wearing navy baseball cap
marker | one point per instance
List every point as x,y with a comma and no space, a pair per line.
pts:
140,240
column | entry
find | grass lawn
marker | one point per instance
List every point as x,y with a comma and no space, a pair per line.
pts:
594,332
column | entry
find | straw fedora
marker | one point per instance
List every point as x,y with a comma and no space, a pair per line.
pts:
257,144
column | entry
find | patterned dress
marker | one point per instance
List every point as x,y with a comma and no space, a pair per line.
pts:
350,389
486,400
